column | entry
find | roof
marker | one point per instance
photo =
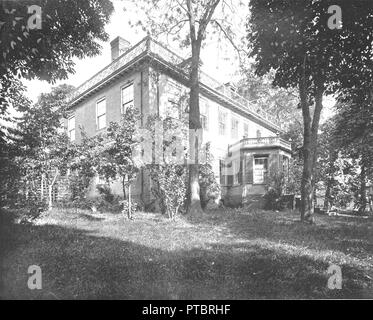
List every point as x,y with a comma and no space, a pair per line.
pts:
150,48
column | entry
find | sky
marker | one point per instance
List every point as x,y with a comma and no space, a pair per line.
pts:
219,60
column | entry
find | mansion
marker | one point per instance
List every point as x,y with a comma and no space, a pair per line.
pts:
150,77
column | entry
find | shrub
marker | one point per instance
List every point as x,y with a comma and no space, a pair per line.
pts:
294,176
273,200
170,190
276,187
167,173
78,187
105,192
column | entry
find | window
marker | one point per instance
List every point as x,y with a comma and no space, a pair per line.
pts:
71,128
260,170
222,122
230,173
204,115
234,128
101,114
245,130
127,98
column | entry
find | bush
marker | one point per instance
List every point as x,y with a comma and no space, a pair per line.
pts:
294,176
105,193
106,201
78,187
171,187
169,175
276,187
31,207
273,200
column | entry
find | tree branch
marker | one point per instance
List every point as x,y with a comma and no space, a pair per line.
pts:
169,30
205,20
229,38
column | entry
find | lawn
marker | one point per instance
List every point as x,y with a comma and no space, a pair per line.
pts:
227,254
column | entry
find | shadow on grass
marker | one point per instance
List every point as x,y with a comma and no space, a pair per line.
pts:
90,217
77,264
349,236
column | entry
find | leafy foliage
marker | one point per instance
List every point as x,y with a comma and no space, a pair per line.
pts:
110,155
346,153
276,188
169,177
171,187
118,157
67,31
294,39
46,151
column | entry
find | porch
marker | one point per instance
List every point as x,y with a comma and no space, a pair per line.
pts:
251,161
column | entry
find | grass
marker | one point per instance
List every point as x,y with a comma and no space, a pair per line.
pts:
229,254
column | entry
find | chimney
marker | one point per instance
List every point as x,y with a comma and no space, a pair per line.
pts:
118,46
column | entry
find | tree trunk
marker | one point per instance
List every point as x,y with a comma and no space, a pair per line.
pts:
194,202
311,127
307,186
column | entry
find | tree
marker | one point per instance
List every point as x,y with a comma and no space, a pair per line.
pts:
45,150
118,158
297,40
187,22
354,131
40,39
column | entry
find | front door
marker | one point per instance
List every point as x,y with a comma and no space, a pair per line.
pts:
260,170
